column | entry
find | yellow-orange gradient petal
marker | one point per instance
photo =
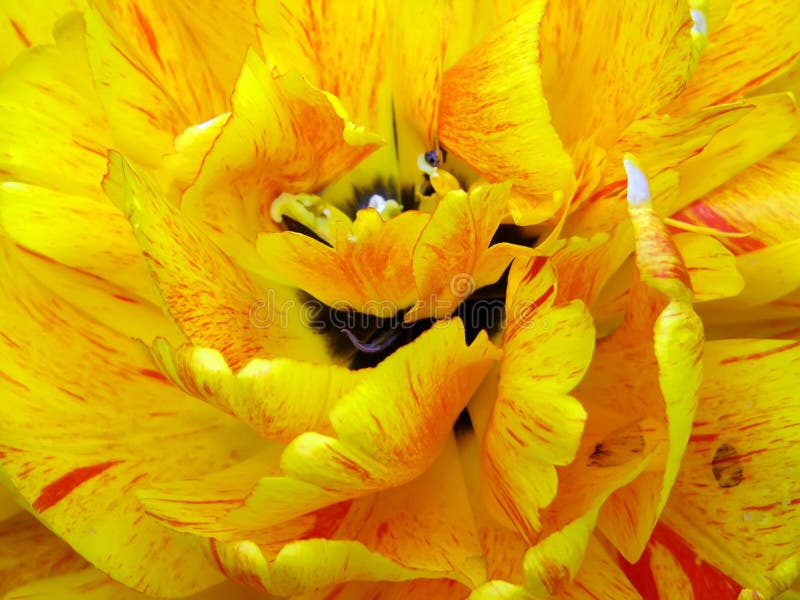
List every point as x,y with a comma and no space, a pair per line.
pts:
605,64
535,424
453,256
214,302
368,269
26,25
730,68
29,551
280,398
86,419
494,116
283,136
736,495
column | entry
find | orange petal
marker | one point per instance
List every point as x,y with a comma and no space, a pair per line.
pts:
729,68
29,551
494,116
453,256
111,423
734,501
670,570
213,301
366,270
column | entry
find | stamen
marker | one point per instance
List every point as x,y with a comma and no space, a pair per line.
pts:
371,348
386,208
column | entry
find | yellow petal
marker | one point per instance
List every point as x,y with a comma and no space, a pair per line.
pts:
734,501
84,233
729,68
283,136
368,269
192,50
279,398
535,425
589,46
494,116
773,122
23,26
30,551
453,256
62,144
403,533
111,423
712,268
376,445
215,303
760,202
651,367
441,589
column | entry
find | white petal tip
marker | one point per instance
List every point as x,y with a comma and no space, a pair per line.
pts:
638,185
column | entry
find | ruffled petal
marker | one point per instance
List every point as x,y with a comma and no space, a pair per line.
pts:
86,419
29,551
283,136
376,445
280,398
453,256
535,424
590,46
215,303
735,498
23,26
399,534
730,68
368,269
494,116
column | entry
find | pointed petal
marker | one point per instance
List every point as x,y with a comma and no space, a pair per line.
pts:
29,551
650,366
62,144
535,425
729,68
283,136
453,256
607,45
734,501
367,269
503,141
24,26
280,399
86,420
208,297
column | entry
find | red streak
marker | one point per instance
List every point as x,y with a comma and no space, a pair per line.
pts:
54,492
20,34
